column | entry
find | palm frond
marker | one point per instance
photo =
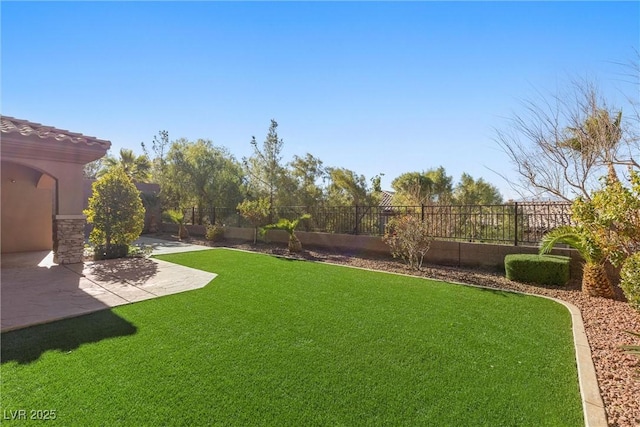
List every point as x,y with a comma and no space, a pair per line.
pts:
575,237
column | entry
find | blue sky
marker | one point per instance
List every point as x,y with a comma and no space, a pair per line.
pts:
376,87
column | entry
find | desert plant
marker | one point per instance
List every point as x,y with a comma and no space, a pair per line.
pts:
289,226
215,232
542,269
630,280
177,217
409,239
595,281
612,216
116,212
633,349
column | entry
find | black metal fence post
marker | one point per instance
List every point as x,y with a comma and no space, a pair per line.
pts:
515,227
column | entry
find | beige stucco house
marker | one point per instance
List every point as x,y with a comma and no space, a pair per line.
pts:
42,187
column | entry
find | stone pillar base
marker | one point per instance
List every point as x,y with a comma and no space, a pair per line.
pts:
68,238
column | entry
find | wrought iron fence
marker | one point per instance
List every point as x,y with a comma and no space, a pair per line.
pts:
521,223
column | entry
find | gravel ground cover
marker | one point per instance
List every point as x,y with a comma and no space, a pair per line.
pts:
606,321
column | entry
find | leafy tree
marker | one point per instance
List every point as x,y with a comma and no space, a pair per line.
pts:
201,174
348,188
307,171
608,229
257,212
412,189
442,185
116,212
475,192
264,168
612,215
138,168
423,188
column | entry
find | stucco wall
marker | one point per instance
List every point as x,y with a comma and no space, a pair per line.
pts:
26,209
70,178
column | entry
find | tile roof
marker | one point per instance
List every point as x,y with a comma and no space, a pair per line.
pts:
9,125
387,196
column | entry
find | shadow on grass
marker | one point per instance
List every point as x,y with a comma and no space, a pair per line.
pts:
500,292
29,344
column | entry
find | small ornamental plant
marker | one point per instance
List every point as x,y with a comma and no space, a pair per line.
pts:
177,217
633,349
409,239
257,212
215,232
289,226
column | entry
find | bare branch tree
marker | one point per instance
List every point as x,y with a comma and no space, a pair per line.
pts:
561,145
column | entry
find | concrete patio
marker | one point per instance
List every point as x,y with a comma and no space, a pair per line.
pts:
35,290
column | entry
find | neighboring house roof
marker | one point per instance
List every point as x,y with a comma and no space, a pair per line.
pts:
24,127
387,196
25,139
545,215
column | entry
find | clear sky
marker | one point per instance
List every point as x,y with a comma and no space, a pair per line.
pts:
376,87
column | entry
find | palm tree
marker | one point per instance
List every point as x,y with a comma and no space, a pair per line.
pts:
289,226
138,168
595,281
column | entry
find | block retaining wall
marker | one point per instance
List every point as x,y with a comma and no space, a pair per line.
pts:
456,254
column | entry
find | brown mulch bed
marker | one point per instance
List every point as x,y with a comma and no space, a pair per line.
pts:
605,320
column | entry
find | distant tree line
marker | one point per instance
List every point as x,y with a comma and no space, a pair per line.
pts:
202,174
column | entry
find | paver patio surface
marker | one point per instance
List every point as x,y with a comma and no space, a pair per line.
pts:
34,290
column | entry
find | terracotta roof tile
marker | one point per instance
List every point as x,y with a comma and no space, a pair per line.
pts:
10,125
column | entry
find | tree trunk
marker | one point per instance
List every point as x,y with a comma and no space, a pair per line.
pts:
183,232
595,282
294,244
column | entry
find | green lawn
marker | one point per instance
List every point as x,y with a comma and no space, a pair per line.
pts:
291,343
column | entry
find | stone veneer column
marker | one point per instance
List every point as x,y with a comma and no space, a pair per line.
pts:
68,238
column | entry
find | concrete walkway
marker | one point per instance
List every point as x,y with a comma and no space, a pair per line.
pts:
34,290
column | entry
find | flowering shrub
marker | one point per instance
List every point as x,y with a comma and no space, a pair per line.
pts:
409,239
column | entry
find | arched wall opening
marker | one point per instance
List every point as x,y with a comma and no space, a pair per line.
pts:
28,206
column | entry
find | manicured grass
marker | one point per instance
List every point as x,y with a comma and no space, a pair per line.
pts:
290,343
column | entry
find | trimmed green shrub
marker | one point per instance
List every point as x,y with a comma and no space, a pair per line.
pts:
542,269
116,212
630,280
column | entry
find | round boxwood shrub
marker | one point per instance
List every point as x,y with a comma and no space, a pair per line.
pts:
541,269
